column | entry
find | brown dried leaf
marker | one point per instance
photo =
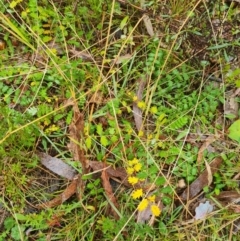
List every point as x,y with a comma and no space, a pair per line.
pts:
118,173
201,181
108,190
209,173
76,137
57,166
231,197
68,192
235,208
228,197
148,25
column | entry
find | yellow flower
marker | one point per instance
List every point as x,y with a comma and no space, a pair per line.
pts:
138,167
153,109
133,162
140,133
141,105
155,210
151,198
149,137
137,194
130,170
135,98
133,180
143,204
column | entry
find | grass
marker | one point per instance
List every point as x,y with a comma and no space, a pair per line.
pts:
101,56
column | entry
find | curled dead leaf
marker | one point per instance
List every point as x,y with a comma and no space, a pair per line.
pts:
65,195
108,190
76,134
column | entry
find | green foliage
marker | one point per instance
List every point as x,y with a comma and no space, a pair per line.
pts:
110,228
58,51
234,131
179,123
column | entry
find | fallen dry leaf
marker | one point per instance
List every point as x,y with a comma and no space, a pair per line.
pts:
235,208
148,25
209,173
228,197
201,181
67,193
118,173
231,200
57,166
76,137
108,190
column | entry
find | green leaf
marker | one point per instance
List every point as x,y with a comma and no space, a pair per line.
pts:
20,217
124,22
181,135
99,129
9,223
104,141
237,83
17,233
46,39
219,46
234,131
88,142
142,175
13,4
167,190
162,228
160,181
114,138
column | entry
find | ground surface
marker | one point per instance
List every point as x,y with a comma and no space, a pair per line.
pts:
119,120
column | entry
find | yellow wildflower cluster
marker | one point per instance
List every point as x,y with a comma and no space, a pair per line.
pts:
51,129
134,166
149,201
13,4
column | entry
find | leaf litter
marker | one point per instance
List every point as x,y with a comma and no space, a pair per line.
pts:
107,172
77,184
